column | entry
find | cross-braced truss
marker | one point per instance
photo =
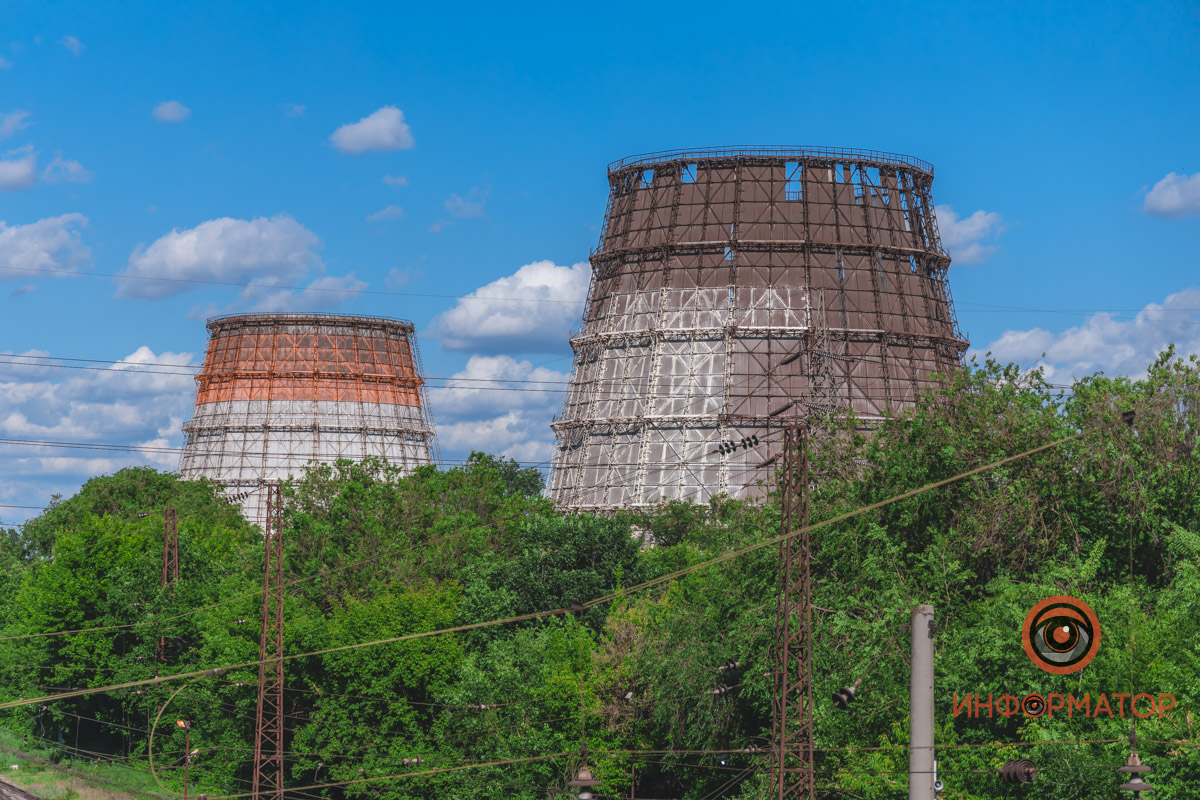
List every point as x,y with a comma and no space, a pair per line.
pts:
734,292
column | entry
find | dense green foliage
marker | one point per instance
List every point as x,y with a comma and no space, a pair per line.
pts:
1111,517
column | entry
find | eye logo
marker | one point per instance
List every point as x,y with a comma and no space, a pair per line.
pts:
1061,634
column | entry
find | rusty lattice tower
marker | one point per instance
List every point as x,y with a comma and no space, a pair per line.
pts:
734,292
280,391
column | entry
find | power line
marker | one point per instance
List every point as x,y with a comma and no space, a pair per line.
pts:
775,540
199,281
188,369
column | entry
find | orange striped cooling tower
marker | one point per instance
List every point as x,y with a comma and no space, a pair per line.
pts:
281,391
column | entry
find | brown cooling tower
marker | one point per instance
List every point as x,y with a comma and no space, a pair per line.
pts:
735,291
280,391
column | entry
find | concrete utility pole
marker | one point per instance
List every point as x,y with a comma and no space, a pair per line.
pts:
920,704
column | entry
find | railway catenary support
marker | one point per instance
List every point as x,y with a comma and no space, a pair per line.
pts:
792,741
170,567
268,735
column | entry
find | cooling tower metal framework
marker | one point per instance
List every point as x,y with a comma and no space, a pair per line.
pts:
735,291
280,391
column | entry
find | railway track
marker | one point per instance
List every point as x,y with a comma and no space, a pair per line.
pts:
10,791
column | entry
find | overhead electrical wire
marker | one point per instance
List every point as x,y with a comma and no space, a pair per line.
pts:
327,290
728,556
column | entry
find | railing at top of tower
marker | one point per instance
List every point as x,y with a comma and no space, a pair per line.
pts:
313,317
797,153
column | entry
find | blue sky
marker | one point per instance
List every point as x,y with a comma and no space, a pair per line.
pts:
198,141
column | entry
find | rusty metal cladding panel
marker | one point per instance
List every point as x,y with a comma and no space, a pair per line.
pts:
280,391
735,291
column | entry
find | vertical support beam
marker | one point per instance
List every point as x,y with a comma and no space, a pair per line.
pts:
920,698
268,738
792,769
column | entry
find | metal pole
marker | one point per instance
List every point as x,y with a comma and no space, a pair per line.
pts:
187,758
792,769
920,698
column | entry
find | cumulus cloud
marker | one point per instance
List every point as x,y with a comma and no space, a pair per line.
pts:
74,45
385,129
1105,342
119,404
12,122
53,244
531,311
395,180
225,249
965,238
293,109
62,170
171,111
499,404
4,63
517,435
19,171
1174,196
390,212
469,207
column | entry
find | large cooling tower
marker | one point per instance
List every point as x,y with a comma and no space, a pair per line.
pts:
735,291
279,391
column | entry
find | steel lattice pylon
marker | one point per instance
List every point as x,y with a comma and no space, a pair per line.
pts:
268,738
170,568
792,767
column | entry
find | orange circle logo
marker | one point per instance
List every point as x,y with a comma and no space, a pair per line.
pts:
1061,634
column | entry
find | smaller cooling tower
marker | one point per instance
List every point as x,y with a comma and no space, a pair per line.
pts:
280,391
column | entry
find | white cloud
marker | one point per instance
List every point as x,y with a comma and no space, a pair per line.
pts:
1174,196
23,290
12,122
74,45
20,172
390,212
293,109
489,385
964,238
385,129
225,249
118,404
1105,342
323,294
53,243
171,111
530,311
395,180
470,207
515,434
62,170
500,405
4,63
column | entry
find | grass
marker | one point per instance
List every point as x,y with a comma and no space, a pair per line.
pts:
71,779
